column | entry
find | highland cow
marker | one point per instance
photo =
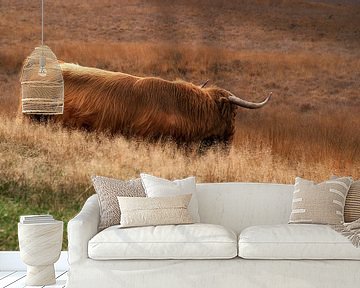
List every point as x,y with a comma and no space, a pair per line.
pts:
148,107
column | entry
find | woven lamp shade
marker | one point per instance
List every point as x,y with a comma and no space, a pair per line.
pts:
42,83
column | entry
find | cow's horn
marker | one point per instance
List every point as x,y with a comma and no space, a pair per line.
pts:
247,104
206,82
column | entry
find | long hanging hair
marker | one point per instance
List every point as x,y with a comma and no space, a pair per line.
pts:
149,107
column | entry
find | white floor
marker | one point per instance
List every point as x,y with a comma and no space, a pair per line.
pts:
16,279
13,271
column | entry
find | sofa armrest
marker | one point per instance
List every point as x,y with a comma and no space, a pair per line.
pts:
82,228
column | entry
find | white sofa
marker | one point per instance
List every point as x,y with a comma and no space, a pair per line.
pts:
250,221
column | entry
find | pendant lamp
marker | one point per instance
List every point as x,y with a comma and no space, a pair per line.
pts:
42,83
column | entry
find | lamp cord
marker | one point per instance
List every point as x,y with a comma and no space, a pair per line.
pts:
42,22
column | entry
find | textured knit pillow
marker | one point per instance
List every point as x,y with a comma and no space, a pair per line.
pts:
159,187
321,203
352,203
107,190
139,211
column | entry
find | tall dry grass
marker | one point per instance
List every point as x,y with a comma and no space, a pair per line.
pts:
297,133
63,161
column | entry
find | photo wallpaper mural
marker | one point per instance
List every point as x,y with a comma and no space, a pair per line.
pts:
177,89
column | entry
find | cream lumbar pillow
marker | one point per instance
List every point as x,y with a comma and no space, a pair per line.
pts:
321,203
107,190
139,211
159,187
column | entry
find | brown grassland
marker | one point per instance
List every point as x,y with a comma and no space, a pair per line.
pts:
305,52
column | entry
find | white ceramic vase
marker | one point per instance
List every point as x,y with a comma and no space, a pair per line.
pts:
40,247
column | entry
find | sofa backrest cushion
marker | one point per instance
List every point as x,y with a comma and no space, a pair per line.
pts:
239,205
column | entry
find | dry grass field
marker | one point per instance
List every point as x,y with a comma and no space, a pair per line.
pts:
306,52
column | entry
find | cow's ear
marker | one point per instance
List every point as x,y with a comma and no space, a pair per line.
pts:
225,107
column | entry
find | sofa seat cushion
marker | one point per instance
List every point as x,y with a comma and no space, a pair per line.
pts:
191,241
295,241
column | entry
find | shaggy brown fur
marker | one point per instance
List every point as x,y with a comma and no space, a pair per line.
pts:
152,108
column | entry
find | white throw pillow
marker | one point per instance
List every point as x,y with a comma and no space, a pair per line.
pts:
159,187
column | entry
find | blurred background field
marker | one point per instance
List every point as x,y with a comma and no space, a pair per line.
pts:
306,52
